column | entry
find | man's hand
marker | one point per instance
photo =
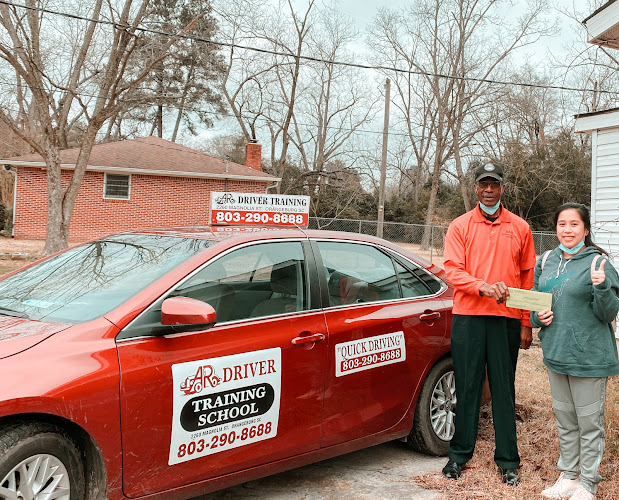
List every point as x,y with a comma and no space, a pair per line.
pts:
526,336
498,291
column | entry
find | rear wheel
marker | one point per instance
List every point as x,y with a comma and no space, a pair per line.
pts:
39,461
434,422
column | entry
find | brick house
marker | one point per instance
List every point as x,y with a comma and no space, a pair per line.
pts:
145,182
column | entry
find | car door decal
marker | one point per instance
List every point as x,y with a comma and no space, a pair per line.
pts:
372,352
223,403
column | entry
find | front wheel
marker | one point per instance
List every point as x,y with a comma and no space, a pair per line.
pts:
434,422
39,461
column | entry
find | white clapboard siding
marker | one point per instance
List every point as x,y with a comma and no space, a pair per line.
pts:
605,190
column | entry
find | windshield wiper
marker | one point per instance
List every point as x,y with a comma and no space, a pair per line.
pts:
12,312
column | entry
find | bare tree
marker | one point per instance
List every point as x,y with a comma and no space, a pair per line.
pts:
296,89
446,45
11,144
230,147
526,115
412,99
263,86
71,73
334,105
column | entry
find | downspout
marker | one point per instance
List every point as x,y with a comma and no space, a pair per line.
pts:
272,186
226,179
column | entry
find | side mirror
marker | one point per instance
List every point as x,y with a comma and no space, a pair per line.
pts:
187,314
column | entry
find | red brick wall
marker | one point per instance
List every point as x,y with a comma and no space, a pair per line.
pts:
156,201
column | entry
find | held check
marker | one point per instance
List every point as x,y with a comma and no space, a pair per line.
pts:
529,300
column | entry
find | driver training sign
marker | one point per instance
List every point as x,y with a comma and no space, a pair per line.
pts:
223,403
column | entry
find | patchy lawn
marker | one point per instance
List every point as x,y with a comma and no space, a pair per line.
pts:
537,441
26,251
6,266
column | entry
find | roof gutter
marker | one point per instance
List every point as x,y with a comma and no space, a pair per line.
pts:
143,171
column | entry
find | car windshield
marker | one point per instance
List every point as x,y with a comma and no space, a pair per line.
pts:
90,280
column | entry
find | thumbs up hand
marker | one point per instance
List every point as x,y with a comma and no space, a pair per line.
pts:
598,277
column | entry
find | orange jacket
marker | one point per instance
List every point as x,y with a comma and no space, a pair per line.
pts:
478,251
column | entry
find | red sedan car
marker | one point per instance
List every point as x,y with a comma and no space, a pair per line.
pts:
171,363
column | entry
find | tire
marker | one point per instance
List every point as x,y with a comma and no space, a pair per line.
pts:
433,424
39,460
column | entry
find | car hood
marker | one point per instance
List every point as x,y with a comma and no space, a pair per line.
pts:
18,334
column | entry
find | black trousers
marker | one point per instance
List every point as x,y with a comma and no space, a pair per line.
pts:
478,342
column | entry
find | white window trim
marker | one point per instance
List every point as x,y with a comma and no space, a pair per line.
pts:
106,197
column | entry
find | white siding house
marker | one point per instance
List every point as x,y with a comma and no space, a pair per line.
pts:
603,29
604,129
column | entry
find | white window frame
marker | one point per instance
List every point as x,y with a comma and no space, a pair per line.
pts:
107,197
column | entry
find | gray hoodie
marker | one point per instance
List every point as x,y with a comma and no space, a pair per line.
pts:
580,340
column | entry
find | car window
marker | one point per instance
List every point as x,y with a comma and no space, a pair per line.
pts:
358,273
429,280
90,280
258,280
412,286
362,273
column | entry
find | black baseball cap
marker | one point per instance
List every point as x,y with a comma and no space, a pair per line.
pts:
489,170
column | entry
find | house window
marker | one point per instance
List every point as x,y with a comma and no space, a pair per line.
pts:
116,187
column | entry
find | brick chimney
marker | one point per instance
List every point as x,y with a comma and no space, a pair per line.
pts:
253,155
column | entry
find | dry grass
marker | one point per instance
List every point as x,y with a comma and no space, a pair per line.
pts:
29,250
30,247
434,256
537,441
6,266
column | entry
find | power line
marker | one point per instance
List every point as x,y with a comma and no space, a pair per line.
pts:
118,25
222,114
215,114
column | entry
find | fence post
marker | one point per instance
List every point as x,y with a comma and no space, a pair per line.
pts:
541,244
431,243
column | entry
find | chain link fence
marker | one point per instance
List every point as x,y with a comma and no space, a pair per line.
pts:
426,241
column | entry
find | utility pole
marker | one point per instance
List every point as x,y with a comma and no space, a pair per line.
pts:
383,163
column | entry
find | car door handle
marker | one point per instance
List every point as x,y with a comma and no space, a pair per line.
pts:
430,315
308,339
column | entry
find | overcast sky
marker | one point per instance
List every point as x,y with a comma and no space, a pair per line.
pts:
540,55
362,12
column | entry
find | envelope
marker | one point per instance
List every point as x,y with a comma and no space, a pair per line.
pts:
529,300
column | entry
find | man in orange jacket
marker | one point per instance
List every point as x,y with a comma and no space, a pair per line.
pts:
487,250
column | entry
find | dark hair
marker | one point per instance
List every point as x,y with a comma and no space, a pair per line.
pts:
585,216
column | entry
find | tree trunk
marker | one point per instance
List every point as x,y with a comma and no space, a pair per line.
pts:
181,107
61,202
160,121
464,188
436,175
57,234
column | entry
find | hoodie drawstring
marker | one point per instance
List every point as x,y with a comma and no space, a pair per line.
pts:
559,271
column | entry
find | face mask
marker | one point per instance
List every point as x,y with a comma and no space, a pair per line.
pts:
490,210
574,250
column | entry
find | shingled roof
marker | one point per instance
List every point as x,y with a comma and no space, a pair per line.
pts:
150,155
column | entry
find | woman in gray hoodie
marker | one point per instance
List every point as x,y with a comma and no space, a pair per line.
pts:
579,347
